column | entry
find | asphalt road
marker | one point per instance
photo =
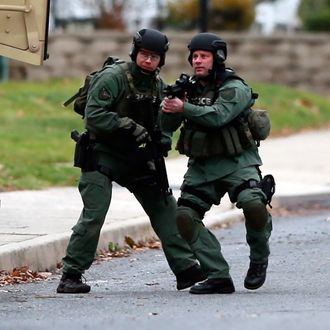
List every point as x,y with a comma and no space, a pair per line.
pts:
139,290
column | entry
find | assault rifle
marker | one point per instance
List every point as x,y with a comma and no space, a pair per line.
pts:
181,86
157,160
155,150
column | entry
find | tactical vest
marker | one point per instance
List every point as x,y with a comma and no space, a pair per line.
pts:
128,103
230,140
137,104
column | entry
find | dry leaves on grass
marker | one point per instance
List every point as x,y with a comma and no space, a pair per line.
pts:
22,275
116,252
151,244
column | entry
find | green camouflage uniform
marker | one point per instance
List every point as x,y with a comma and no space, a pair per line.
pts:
118,159
213,171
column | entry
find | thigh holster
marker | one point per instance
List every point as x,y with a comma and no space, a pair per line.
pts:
266,184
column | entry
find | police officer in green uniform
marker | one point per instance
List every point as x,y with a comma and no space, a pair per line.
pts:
223,158
120,114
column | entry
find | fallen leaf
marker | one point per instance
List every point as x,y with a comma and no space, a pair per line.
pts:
22,275
130,242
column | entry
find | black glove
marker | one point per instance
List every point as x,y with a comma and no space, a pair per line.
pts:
140,134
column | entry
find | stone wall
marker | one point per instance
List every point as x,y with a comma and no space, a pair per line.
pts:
299,60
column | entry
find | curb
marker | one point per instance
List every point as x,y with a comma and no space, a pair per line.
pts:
45,252
303,201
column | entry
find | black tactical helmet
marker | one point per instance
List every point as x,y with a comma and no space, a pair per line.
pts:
152,40
210,42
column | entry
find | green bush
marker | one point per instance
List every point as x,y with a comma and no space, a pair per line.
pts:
230,15
183,16
319,21
315,15
308,6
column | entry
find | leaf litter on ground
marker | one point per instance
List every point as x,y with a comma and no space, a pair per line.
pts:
26,275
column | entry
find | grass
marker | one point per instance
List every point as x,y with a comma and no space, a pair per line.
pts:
36,149
292,110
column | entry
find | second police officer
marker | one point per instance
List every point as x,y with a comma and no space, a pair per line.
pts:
223,158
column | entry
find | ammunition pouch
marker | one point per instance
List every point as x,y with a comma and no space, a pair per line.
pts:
267,185
84,155
229,141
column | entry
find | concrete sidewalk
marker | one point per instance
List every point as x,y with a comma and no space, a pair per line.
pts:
35,225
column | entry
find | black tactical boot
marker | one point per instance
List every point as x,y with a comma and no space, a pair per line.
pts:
214,285
189,277
256,275
72,283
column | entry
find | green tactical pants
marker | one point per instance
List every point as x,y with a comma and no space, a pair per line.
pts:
96,191
197,199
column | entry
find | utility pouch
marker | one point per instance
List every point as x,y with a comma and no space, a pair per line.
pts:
198,144
259,124
84,157
215,143
244,133
193,143
184,142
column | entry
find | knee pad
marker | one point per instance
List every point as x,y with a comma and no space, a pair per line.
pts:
185,223
186,203
256,215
